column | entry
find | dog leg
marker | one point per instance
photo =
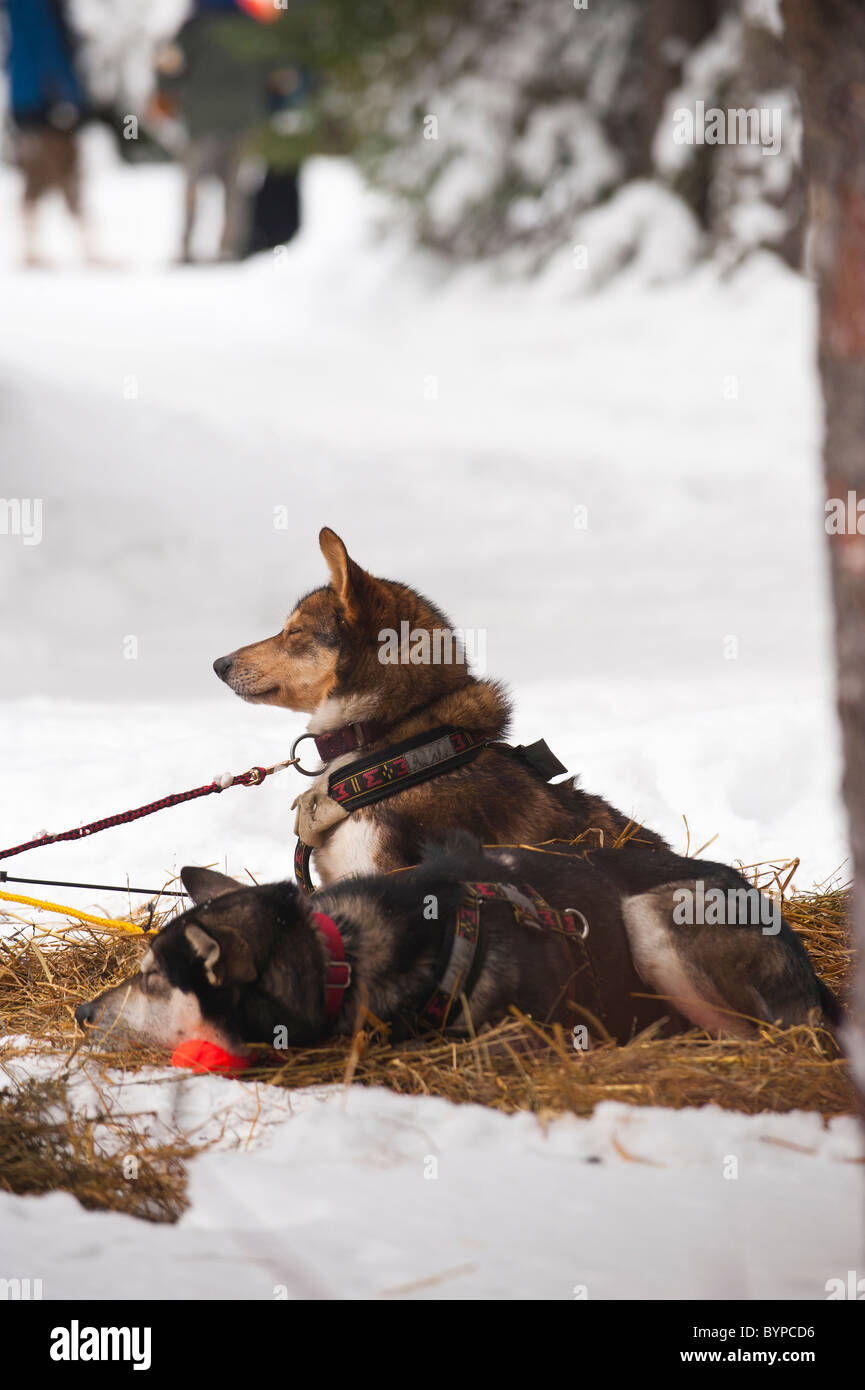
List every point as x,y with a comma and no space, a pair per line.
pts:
726,976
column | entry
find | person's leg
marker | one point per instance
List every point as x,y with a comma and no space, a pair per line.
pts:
30,160
235,227
275,210
30,255
69,170
190,203
198,162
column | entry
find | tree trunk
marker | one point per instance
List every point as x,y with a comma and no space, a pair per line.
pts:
827,43
671,28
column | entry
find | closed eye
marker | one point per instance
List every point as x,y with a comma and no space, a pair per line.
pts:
293,632
155,982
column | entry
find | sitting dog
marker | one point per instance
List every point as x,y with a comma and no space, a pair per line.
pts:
605,940
429,734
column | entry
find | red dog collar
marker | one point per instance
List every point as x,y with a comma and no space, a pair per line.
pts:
348,738
338,977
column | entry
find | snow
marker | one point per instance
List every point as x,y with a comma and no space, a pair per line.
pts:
620,490
643,234
638,468
364,1194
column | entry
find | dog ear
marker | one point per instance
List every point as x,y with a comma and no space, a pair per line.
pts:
203,884
348,581
224,953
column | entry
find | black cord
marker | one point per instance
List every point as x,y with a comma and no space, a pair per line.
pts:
106,887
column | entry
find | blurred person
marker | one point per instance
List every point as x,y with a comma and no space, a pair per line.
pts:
276,207
220,94
47,107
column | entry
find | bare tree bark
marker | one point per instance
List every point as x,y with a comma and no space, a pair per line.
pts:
827,43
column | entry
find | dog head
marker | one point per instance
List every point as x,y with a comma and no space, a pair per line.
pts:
343,649
232,969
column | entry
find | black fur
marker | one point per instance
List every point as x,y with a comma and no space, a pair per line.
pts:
255,961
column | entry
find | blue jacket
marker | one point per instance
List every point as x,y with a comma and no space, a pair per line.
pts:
40,60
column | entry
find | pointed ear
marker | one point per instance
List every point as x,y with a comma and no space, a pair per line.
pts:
348,581
224,953
203,884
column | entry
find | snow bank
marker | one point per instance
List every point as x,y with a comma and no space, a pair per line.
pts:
369,1195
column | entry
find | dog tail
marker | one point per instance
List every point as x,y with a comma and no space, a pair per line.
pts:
830,1005
454,851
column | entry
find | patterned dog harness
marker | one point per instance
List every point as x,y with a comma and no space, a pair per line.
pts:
463,949
404,765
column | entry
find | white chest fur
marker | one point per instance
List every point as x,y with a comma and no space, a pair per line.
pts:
349,849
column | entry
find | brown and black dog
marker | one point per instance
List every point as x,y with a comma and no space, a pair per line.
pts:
329,661
249,964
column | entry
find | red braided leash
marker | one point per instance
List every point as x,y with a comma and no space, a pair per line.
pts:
253,778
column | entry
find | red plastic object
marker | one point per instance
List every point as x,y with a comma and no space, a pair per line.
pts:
265,11
203,1057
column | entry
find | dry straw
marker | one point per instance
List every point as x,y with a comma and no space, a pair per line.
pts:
43,975
104,1162
46,970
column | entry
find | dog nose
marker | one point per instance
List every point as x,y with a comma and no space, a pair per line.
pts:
84,1014
222,665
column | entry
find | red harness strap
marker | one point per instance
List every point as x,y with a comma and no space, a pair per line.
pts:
338,976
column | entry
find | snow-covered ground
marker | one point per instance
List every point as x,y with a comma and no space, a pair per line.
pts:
368,1195
621,492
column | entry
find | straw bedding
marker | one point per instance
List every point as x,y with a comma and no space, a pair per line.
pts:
46,970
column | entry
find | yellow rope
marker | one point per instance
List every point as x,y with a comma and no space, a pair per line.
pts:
131,927
72,912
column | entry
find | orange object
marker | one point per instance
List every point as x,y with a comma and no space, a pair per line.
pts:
266,11
204,1057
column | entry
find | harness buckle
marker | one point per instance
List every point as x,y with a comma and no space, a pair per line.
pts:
330,982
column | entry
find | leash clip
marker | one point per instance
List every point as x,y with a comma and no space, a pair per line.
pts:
305,771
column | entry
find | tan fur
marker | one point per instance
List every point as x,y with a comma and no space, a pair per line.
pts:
326,661
293,669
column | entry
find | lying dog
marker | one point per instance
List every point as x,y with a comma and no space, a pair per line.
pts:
429,733
458,940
